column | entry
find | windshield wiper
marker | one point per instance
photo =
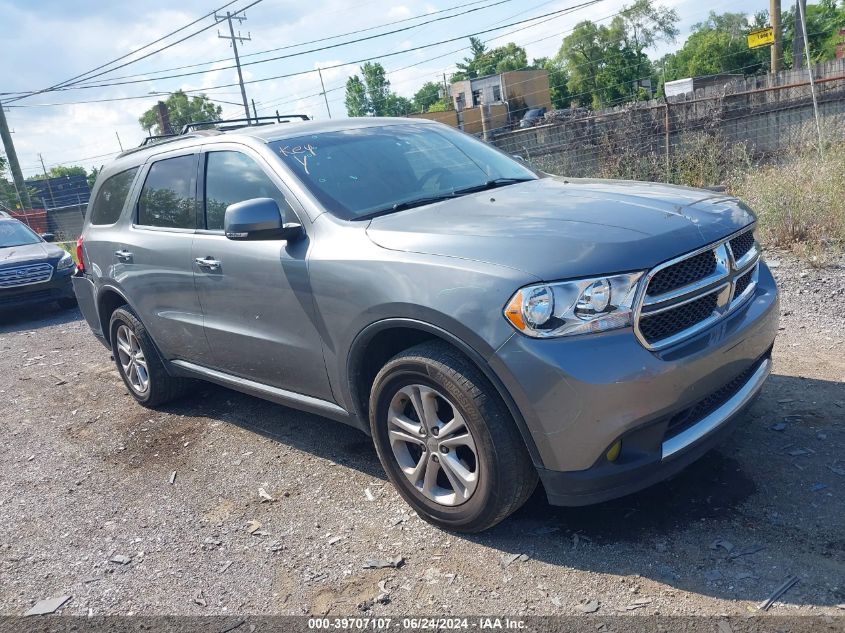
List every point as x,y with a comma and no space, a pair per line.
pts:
408,204
491,184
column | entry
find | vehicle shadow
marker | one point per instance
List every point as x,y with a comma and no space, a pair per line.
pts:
36,317
746,493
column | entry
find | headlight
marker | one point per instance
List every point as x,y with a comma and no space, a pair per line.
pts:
65,262
574,307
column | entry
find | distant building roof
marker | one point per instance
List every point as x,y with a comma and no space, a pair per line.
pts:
54,193
691,84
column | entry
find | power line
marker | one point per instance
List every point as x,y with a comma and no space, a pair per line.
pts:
306,52
305,43
67,85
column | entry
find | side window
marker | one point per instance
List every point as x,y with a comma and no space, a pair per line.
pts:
111,197
232,177
168,198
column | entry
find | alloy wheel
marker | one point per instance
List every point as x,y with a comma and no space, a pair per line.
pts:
132,360
433,445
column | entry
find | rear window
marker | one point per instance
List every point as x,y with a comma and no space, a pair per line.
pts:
168,199
111,197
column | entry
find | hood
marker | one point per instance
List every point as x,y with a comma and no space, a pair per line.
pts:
554,228
29,253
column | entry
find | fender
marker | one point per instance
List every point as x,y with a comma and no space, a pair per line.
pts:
366,335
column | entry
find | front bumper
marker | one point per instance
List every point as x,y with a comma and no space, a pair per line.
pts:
57,288
579,396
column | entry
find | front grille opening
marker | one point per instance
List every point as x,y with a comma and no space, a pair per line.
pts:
662,325
741,244
743,282
680,422
683,273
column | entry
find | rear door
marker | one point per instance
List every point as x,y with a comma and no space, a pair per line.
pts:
256,297
152,263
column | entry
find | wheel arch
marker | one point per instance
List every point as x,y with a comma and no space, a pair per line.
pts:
109,299
382,340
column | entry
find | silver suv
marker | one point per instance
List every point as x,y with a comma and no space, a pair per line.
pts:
486,325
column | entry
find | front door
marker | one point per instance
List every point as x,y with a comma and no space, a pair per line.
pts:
255,296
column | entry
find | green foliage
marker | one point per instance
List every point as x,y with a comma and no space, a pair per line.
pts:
441,105
370,94
824,20
717,45
60,171
181,110
427,96
484,62
92,177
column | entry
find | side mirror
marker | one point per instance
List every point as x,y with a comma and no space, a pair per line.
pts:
258,219
48,237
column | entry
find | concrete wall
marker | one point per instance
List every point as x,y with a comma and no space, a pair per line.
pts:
498,118
530,87
768,113
449,117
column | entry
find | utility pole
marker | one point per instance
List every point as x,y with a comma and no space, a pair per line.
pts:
163,118
325,98
812,80
798,40
777,47
47,178
14,165
235,39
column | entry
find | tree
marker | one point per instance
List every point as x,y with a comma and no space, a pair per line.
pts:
370,94
490,62
608,63
181,110
92,177
426,96
824,21
61,171
717,45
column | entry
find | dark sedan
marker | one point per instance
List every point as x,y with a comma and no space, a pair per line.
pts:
32,270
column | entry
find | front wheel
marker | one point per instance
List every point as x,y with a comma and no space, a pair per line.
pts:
447,441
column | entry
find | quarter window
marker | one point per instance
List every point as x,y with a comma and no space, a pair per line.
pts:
111,197
232,177
168,198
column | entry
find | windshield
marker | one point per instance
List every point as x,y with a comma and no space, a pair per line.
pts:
16,234
367,171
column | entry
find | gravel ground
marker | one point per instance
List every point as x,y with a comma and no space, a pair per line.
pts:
89,507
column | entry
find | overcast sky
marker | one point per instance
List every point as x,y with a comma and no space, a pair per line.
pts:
50,41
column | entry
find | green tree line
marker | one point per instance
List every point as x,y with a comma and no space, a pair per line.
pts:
598,65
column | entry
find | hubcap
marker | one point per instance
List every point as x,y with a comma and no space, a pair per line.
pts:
433,445
132,360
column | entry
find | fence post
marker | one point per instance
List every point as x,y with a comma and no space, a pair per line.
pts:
666,139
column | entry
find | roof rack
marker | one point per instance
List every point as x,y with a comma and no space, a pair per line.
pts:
234,124
193,129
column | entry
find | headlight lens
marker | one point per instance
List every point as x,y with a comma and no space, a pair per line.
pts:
575,307
65,262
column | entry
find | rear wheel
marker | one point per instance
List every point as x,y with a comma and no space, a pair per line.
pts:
139,363
447,441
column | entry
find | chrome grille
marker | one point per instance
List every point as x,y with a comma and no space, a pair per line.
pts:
688,294
25,275
683,273
742,244
662,325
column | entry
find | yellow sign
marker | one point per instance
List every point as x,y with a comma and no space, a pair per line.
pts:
761,37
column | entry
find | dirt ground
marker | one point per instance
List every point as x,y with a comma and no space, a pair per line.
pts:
89,506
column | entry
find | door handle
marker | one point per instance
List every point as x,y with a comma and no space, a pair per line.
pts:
123,255
208,263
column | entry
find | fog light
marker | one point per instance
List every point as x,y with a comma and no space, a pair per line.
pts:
614,451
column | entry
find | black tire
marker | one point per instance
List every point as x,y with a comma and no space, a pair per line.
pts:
67,303
162,387
506,478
